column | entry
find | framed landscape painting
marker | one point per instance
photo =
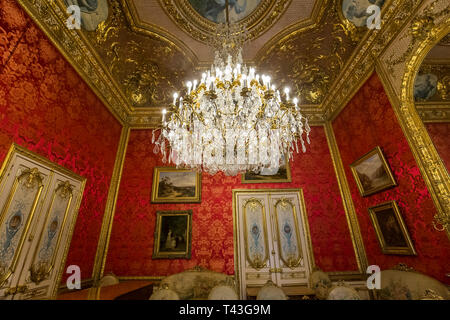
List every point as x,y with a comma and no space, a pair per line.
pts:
172,185
282,174
372,173
173,233
391,230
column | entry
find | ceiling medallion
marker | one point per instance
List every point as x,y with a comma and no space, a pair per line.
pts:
200,18
232,120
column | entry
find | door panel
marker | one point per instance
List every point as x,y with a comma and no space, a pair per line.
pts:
23,189
256,249
271,239
38,204
42,267
292,262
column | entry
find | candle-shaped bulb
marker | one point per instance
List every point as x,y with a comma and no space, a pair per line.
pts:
268,81
286,91
244,80
175,96
195,84
164,111
295,101
203,77
273,87
189,86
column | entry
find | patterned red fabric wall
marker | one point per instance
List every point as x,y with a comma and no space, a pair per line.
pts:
369,121
131,243
46,107
440,135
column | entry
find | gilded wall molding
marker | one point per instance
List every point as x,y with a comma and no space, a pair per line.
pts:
433,112
398,67
110,208
347,201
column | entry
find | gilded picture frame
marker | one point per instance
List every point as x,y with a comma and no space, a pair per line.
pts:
172,185
391,231
372,173
283,175
173,235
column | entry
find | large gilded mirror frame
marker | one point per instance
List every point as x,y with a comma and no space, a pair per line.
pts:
435,173
425,35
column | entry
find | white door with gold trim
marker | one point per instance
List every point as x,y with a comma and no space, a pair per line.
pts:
272,239
38,205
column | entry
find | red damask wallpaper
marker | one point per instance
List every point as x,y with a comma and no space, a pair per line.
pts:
369,121
440,135
131,244
46,107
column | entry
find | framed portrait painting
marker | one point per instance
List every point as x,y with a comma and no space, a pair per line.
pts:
372,173
391,230
172,185
173,233
281,174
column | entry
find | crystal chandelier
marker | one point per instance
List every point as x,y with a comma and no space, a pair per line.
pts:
233,120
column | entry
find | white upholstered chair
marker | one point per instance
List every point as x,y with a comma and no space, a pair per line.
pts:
222,292
270,291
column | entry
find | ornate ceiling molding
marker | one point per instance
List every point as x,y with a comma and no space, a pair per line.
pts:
81,50
148,29
187,18
294,29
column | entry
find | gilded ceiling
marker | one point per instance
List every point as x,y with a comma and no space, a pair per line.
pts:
136,53
152,47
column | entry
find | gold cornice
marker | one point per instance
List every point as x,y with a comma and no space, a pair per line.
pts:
110,207
347,201
443,61
434,112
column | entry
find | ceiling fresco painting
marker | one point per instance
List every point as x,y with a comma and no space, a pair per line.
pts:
356,10
93,12
215,10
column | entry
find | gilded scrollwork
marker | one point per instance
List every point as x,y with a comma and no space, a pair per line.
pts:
147,68
311,60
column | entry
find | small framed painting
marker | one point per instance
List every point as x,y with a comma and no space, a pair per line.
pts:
391,230
173,233
172,185
372,173
281,174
